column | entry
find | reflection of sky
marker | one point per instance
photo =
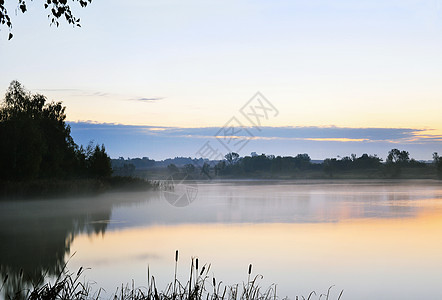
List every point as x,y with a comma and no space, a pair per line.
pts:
285,202
302,236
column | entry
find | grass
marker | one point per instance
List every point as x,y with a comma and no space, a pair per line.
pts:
199,287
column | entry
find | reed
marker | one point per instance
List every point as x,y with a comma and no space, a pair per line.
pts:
176,267
69,285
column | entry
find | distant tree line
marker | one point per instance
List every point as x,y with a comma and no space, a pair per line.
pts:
298,166
129,166
36,142
289,164
364,166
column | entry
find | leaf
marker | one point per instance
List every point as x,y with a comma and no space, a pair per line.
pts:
10,36
23,7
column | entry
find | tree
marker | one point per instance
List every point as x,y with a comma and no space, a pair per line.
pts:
395,160
329,166
172,168
366,161
99,163
124,170
232,157
35,141
189,168
21,147
220,167
205,169
57,9
398,157
302,161
437,160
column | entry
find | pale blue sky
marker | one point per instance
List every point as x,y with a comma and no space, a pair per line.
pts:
356,64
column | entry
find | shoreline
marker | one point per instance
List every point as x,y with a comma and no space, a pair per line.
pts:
52,188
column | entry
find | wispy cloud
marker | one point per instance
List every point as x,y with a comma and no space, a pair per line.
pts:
95,93
148,99
100,94
59,90
77,92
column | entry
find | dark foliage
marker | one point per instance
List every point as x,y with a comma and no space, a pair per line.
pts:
172,168
364,162
437,160
36,142
301,166
396,159
57,9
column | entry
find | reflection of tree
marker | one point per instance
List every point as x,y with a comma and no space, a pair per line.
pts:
35,239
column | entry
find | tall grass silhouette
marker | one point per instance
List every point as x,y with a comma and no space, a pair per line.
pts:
70,285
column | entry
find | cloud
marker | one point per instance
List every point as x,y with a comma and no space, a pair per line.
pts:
78,92
146,99
95,93
59,90
312,133
100,94
160,142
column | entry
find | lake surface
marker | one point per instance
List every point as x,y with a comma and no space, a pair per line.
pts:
374,239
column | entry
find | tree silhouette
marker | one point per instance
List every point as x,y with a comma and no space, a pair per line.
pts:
205,169
189,168
232,157
172,168
395,160
437,160
99,163
397,156
57,9
329,166
35,138
36,141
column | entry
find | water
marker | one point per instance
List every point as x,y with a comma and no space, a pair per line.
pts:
375,240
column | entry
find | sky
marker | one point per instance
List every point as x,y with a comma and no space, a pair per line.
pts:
162,78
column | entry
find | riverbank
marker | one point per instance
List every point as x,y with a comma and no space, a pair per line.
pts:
48,188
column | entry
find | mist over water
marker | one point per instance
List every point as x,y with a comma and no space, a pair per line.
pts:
373,239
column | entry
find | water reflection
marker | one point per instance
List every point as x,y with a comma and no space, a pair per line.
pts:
287,202
242,221
36,236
